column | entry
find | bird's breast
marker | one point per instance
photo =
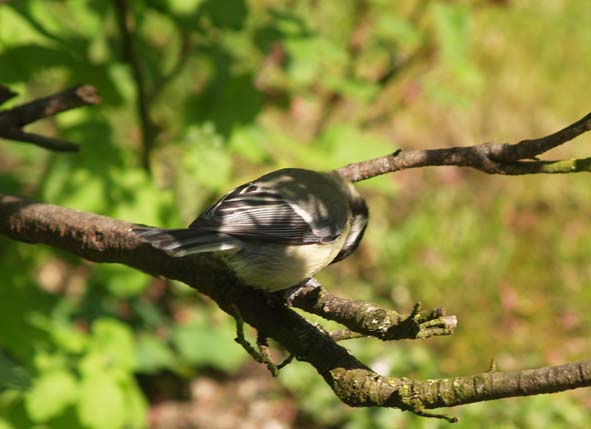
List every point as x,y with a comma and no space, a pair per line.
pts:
274,267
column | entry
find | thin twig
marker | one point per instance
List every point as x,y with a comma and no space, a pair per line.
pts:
51,143
487,157
532,147
132,59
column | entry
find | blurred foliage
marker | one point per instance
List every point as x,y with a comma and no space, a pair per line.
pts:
237,88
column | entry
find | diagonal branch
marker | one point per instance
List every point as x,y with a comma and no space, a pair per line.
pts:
13,120
532,147
40,108
51,143
102,239
491,158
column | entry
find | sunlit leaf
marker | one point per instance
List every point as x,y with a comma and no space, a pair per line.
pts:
101,403
153,354
51,393
120,280
203,346
112,343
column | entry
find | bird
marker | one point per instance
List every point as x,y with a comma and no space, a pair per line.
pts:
274,232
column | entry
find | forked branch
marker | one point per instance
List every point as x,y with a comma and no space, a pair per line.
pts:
13,121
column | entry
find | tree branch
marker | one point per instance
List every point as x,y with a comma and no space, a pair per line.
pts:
13,120
51,143
6,94
491,158
102,239
369,319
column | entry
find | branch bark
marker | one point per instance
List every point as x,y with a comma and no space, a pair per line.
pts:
102,239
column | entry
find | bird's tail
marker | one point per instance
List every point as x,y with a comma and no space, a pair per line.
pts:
186,241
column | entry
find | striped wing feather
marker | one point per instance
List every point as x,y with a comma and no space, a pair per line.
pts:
258,214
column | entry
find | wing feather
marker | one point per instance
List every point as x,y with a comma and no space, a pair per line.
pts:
260,214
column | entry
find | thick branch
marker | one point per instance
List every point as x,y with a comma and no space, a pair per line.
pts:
491,158
102,239
13,120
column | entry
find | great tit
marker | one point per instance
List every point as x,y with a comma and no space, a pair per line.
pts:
277,231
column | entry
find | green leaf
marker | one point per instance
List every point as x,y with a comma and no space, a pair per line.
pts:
313,58
203,346
227,14
395,29
451,25
153,354
248,142
17,28
101,402
359,145
62,332
451,21
26,61
89,16
50,395
18,333
359,89
138,199
218,104
111,346
136,404
205,158
121,281
184,7
5,424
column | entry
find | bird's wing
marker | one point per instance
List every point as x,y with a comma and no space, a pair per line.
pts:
255,213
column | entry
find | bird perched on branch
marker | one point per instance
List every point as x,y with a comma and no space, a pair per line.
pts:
277,231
